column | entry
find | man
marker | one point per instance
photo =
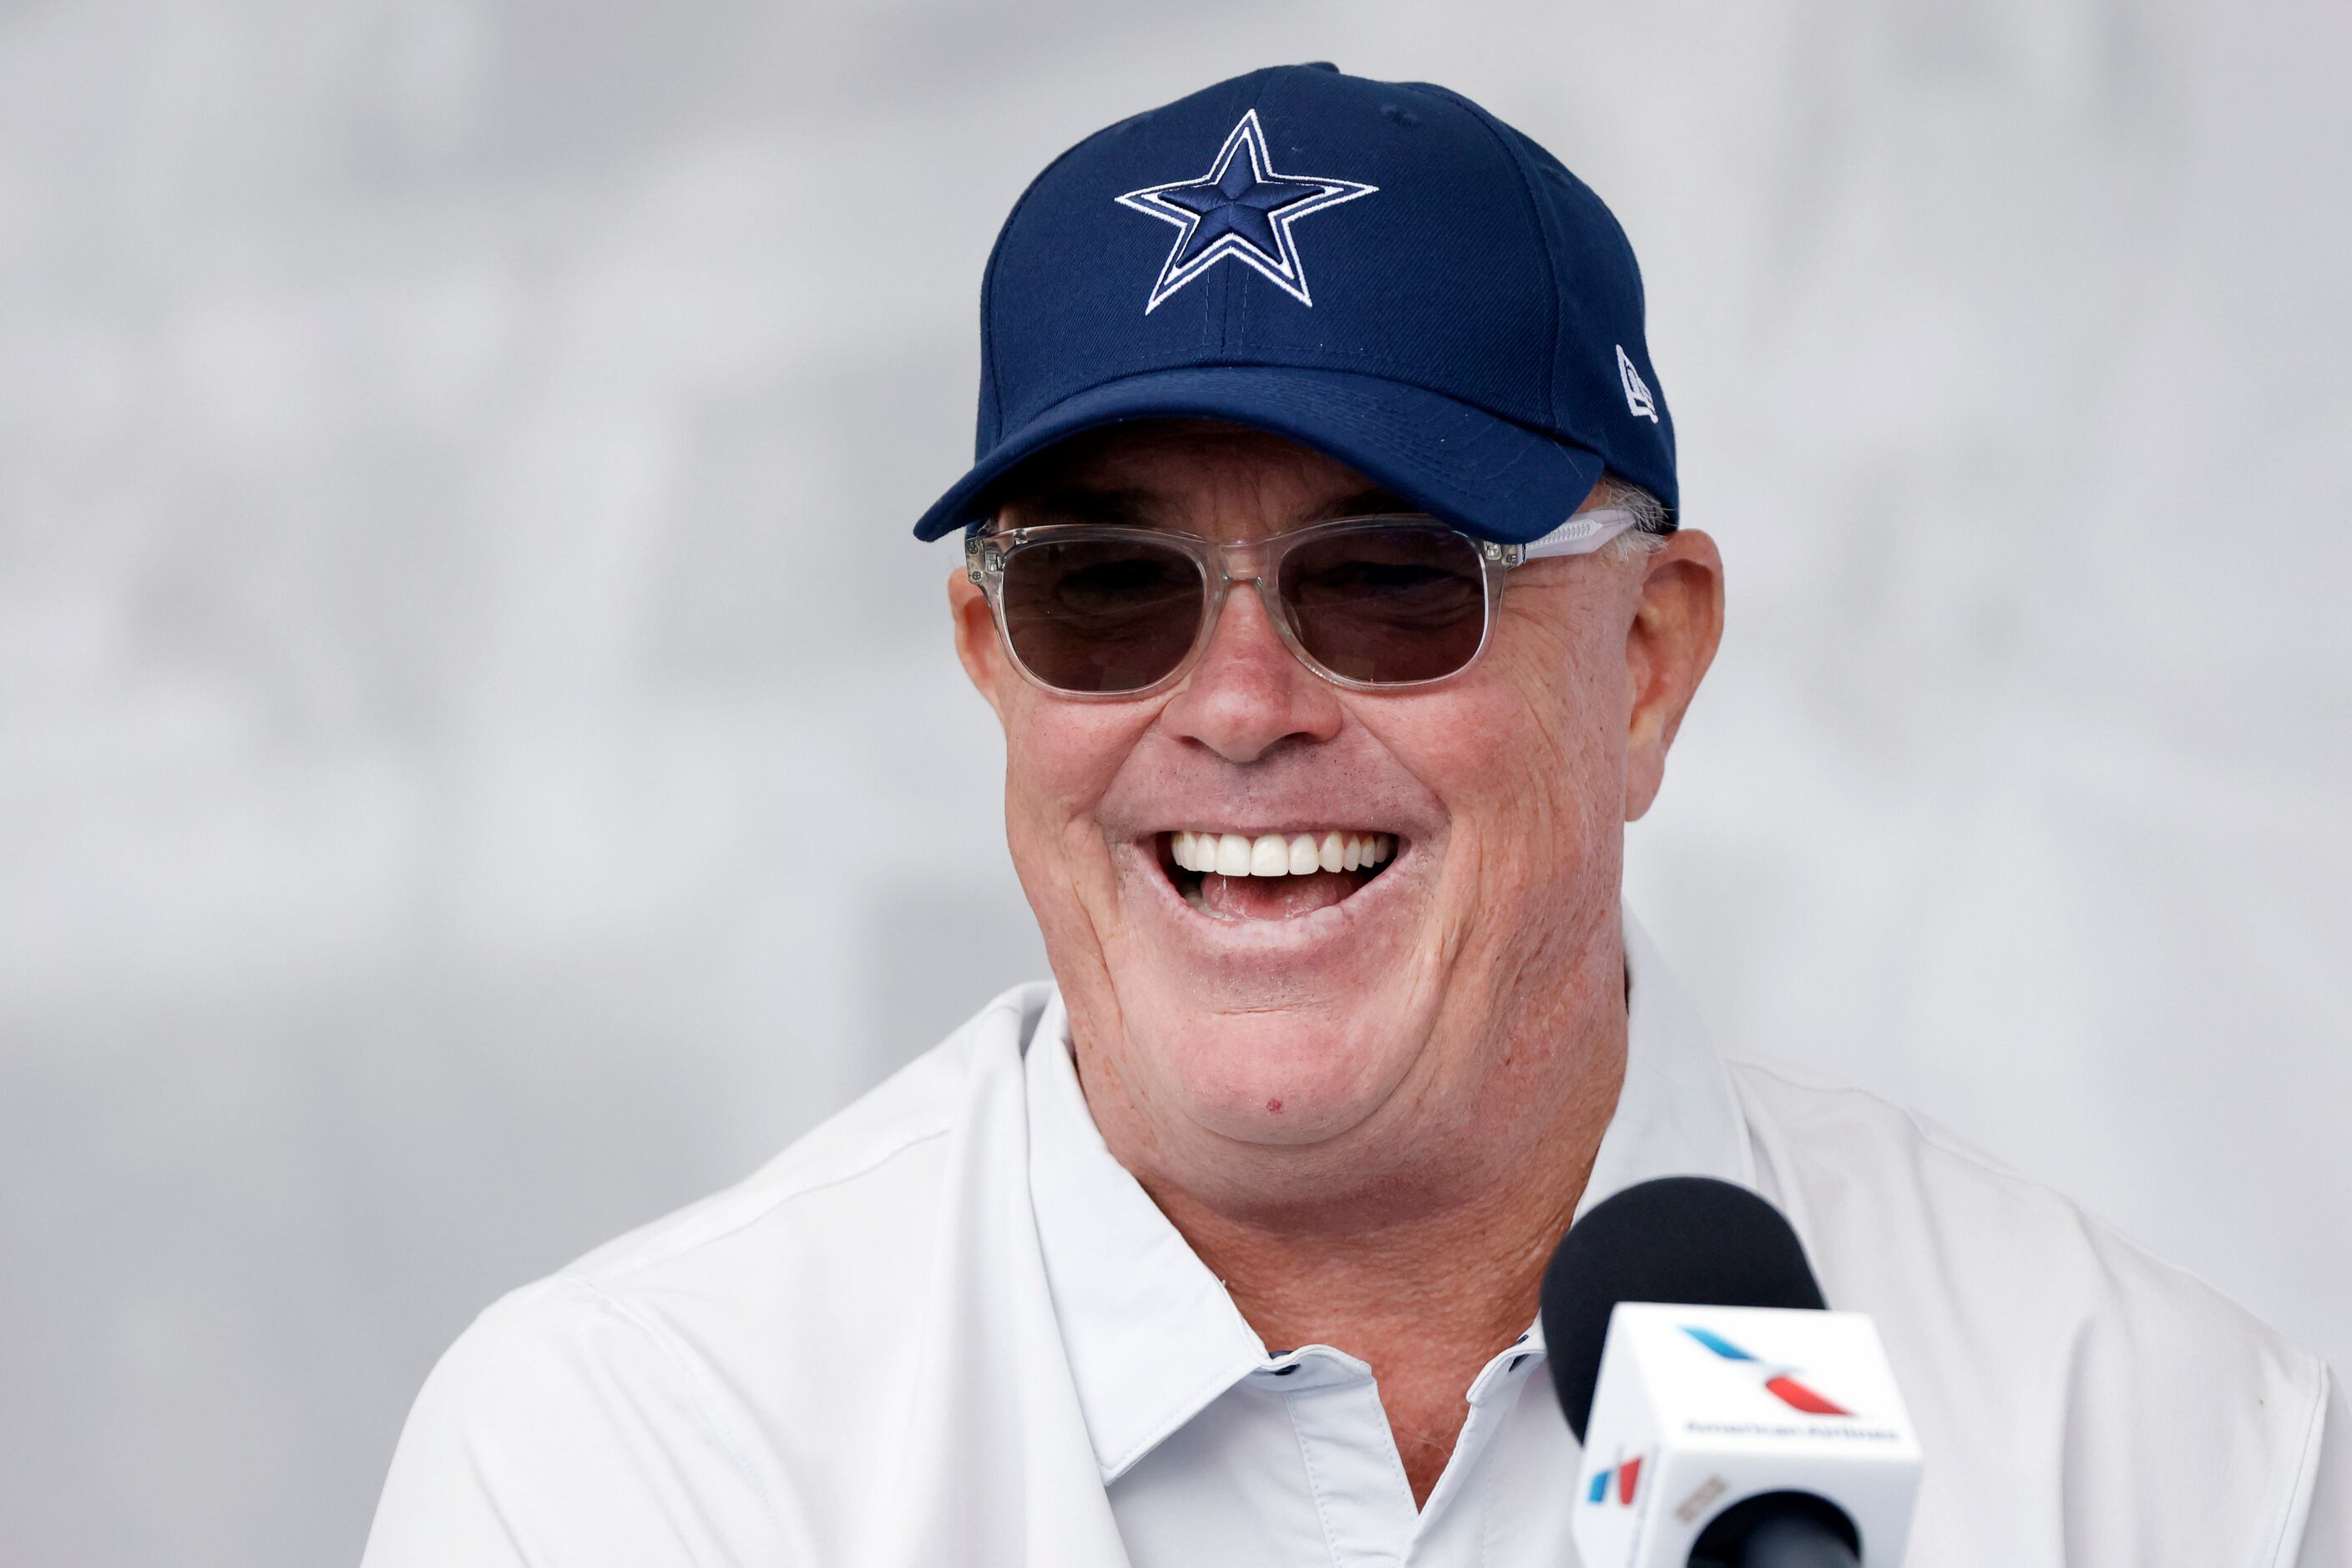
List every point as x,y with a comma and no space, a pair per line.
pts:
1321,565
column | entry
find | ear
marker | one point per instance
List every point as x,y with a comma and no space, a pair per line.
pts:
1677,621
976,643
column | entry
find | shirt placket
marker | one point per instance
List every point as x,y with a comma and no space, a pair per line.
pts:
1448,1534
1360,1491
1358,1483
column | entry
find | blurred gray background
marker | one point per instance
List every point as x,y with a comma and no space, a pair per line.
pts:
481,764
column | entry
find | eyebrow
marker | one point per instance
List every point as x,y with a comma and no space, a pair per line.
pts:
1142,509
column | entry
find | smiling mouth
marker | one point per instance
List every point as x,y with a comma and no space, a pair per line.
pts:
1271,876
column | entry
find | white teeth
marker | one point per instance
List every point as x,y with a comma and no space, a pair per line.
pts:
1233,855
1278,854
1270,856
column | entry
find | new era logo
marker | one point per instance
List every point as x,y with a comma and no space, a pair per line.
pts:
1637,391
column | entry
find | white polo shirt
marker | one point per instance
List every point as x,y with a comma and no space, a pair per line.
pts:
947,1326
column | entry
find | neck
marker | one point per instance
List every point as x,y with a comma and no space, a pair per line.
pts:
1431,1266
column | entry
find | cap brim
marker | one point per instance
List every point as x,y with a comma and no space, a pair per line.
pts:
1485,473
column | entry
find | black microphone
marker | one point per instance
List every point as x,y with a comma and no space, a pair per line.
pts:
1741,1425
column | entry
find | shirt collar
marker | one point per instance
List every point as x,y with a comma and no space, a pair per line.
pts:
1151,1334
1153,1337
1678,1114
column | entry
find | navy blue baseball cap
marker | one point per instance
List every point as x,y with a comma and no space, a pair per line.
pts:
1383,271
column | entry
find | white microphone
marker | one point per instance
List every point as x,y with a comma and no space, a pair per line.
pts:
1729,1421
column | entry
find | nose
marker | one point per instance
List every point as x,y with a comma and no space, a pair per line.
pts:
1249,694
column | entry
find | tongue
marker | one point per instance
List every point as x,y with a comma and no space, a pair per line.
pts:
1274,898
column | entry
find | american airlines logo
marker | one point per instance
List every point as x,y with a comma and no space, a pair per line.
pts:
1781,1382
1617,1484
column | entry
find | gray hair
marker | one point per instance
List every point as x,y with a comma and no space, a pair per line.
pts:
1653,519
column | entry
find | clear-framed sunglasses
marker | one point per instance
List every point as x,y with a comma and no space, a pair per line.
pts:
1367,602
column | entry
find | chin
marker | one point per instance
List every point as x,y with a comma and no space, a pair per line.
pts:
1283,1075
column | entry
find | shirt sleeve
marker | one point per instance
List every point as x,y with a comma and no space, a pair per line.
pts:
564,1431
2327,1527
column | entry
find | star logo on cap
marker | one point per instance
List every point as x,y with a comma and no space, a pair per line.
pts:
1243,209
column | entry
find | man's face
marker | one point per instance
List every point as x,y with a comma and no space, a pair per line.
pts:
1364,1012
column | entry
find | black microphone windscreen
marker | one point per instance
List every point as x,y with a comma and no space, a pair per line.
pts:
1683,1240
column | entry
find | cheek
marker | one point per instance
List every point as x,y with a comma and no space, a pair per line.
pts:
1511,749
1567,676
1528,756
1059,759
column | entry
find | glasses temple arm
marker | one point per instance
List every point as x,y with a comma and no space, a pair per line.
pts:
1580,535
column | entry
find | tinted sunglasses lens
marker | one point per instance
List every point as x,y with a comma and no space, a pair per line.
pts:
1098,617
1387,606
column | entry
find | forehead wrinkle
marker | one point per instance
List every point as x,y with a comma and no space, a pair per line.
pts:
1214,480
1139,507
1375,500
1125,507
